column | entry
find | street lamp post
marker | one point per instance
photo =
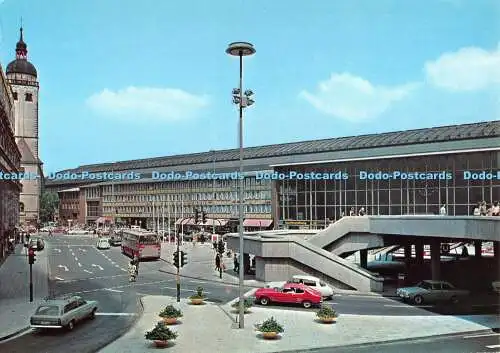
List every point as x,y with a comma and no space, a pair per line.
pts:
241,49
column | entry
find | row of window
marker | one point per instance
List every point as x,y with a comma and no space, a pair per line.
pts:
28,97
177,211
206,196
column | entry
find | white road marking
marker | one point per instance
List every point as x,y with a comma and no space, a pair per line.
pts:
117,266
483,335
115,314
114,290
59,278
87,271
79,265
58,250
366,296
113,263
408,306
124,270
200,282
65,268
100,268
82,250
76,258
494,346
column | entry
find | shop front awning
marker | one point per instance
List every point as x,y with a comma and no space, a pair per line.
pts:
102,220
185,221
257,223
178,222
214,222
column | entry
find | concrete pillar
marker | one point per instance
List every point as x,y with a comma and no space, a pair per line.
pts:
246,262
478,248
436,259
419,252
363,258
407,252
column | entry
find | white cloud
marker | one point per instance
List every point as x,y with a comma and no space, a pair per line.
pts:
139,103
467,69
353,98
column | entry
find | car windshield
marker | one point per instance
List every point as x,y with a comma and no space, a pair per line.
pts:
49,310
424,285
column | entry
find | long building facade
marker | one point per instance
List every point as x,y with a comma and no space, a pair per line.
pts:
298,185
10,162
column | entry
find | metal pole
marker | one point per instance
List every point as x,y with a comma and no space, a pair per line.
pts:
31,283
240,205
178,273
213,194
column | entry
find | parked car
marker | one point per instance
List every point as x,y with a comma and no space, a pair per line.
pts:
63,313
310,281
431,292
103,243
289,293
115,239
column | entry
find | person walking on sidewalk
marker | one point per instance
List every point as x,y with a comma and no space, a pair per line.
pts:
217,262
236,263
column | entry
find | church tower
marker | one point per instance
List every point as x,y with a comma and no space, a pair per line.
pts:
22,77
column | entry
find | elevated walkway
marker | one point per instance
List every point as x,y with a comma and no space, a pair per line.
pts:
351,234
280,255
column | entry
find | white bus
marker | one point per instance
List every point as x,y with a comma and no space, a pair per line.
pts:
142,244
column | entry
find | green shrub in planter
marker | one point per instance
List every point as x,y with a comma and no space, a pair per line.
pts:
326,311
170,312
161,333
270,325
248,303
199,294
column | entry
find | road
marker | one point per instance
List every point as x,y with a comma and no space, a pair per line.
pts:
485,342
76,266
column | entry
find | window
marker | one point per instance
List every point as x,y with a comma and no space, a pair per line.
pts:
49,310
15,95
310,283
28,97
299,291
446,286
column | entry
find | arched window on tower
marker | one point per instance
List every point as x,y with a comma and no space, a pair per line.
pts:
21,207
14,94
28,97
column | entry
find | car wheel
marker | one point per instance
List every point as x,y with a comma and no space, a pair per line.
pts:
454,300
307,304
330,297
92,314
418,299
264,301
71,325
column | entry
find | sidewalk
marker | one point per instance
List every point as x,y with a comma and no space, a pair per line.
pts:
15,307
210,328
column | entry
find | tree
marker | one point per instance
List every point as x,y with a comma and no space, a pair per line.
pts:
49,202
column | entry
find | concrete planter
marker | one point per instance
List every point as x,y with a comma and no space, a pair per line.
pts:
327,320
161,343
196,301
170,320
269,335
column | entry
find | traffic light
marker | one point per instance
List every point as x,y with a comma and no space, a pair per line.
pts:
184,260
196,216
176,259
203,217
221,246
31,256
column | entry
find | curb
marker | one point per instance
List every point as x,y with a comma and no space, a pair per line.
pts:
209,280
18,332
389,342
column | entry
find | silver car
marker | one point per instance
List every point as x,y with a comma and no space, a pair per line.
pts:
63,313
431,292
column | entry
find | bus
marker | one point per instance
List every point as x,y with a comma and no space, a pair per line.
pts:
143,244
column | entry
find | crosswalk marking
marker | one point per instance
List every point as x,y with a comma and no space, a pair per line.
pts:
115,314
494,346
482,335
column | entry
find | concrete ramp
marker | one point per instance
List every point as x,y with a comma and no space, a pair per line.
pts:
373,228
280,256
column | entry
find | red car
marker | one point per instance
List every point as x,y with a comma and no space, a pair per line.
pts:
290,293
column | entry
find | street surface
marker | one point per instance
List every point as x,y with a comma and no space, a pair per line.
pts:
474,343
76,266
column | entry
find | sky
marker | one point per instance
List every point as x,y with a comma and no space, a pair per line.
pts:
125,79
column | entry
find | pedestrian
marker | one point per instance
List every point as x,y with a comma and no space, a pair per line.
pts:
236,263
217,262
362,212
442,211
352,212
132,270
496,209
136,264
483,209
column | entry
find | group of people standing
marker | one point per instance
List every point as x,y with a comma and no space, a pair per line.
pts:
482,209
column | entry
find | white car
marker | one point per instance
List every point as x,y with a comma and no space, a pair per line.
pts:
103,243
78,231
310,281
